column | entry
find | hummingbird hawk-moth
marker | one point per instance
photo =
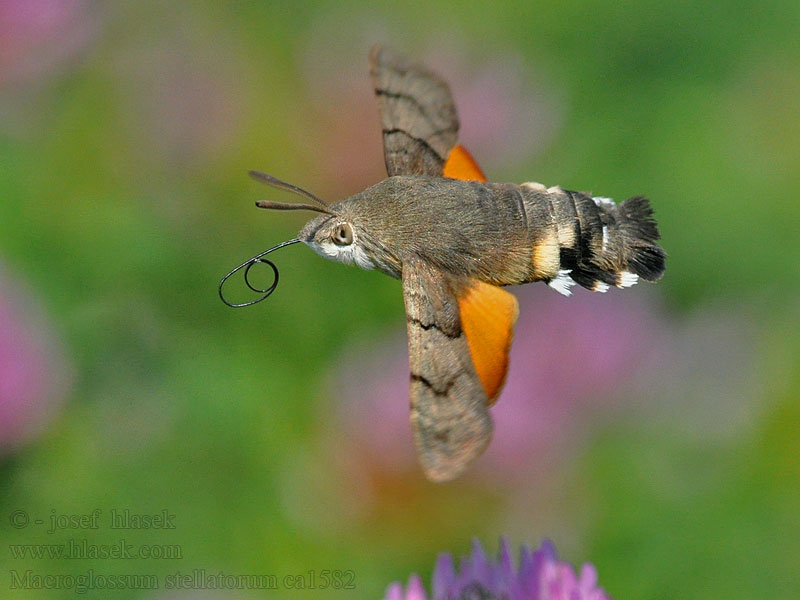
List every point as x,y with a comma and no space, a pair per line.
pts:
454,240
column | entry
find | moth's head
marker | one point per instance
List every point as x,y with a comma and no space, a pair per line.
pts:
338,238
333,234
328,234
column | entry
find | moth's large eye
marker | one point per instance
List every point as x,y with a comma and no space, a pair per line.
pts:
343,234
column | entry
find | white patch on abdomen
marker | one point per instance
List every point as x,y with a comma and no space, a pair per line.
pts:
627,279
598,200
562,282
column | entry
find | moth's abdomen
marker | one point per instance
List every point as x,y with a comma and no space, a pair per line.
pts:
590,241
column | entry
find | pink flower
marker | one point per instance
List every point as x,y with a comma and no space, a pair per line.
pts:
39,36
568,358
508,110
184,98
33,376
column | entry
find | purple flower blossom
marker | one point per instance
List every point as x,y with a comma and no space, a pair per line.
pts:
540,576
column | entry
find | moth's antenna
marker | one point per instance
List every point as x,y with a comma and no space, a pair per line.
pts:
287,206
282,185
247,265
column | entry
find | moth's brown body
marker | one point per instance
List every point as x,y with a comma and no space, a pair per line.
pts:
499,233
453,239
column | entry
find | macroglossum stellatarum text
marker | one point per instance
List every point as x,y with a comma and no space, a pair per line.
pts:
454,239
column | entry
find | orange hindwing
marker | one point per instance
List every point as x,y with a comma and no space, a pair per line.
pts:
461,165
488,314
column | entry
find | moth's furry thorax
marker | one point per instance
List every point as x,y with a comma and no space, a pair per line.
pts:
465,228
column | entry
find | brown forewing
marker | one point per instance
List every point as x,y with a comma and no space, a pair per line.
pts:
449,414
418,116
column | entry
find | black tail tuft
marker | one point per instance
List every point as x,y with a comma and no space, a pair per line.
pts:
644,257
604,244
638,219
647,261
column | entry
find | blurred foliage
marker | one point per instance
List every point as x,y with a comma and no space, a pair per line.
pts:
124,199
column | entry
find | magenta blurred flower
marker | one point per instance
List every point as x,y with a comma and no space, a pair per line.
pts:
40,40
495,94
37,36
569,356
569,359
186,95
509,110
33,381
540,576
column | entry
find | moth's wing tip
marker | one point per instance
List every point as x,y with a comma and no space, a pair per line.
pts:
441,467
441,476
381,56
374,54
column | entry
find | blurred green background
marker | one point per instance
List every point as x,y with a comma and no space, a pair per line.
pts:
126,130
